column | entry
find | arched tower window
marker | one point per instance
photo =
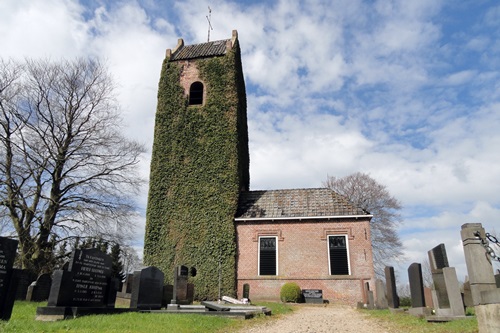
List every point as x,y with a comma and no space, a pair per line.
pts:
196,93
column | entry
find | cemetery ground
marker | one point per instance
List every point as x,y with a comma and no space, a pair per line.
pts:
286,318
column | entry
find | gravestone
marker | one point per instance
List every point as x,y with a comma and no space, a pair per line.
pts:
25,279
484,291
127,285
418,305
370,302
85,283
8,276
497,280
313,296
439,260
246,291
416,285
39,290
168,294
448,300
428,297
468,295
86,287
147,291
381,298
390,281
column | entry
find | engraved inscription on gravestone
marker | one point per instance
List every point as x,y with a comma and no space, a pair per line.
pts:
86,282
312,295
8,283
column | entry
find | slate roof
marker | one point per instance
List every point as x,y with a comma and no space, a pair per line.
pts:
209,49
296,203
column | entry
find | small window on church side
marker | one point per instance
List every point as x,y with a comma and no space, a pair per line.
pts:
267,255
196,93
338,255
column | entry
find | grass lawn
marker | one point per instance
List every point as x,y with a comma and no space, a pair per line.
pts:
23,320
402,322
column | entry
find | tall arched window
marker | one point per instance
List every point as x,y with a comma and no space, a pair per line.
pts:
196,93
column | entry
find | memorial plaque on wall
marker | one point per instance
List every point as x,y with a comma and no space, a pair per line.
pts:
86,282
8,248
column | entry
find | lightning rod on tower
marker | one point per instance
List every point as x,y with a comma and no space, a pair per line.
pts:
209,17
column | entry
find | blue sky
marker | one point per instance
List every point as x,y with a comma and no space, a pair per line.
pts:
407,91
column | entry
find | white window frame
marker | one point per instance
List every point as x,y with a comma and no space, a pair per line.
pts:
258,255
328,251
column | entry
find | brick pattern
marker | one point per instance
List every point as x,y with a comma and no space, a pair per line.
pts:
303,257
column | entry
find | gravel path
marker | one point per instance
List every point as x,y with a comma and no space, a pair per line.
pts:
319,319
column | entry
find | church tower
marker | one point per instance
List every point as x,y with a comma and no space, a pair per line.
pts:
199,164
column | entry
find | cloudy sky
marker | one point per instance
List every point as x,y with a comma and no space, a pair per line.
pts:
407,91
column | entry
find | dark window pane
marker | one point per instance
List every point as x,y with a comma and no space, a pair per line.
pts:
196,93
267,256
339,264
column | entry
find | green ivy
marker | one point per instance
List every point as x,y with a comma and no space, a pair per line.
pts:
199,164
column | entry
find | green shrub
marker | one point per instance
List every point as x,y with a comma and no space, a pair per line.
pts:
405,301
290,292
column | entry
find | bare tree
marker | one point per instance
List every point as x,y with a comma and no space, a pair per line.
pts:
66,169
366,193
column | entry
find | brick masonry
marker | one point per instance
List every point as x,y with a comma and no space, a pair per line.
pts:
303,258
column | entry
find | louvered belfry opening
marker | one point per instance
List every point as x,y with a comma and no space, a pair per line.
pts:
339,264
196,93
267,259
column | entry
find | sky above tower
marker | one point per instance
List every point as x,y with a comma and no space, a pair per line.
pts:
407,91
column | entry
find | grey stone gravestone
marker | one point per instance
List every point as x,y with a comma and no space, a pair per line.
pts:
370,302
448,299
484,291
439,260
147,291
8,276
39,290
127,285
381,298
468,294
392,295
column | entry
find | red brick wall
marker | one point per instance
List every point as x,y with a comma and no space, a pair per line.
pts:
303,258
190,74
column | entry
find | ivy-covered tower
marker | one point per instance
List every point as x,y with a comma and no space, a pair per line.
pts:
199,164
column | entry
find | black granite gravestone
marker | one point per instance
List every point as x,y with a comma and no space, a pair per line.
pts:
8,276
23,282
86,287
438,258
312,296
85,283
416,285
39,290
390,281
147,291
